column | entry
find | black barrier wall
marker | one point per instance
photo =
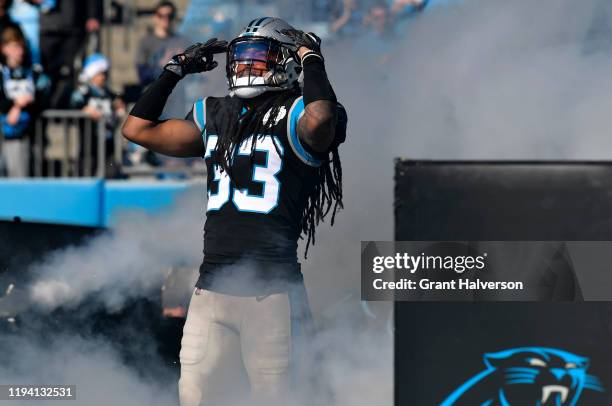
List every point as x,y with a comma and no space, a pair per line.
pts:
489,201
22,244
440,347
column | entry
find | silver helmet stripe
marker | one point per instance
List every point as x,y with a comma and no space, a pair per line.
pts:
254,27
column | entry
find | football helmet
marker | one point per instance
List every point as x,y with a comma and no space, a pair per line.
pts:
262,59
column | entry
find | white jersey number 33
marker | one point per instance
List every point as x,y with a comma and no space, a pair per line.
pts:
265,174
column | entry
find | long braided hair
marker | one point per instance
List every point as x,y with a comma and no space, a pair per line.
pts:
239,124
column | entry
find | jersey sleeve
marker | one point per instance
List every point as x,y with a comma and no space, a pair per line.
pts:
295,113
197,115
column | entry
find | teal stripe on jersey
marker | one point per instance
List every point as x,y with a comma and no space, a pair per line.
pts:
200,117
294,115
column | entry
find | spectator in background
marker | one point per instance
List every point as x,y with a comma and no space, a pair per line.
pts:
96,100
347,17
21,91
155,50
64,29
159,45
27,14
380,33
378,20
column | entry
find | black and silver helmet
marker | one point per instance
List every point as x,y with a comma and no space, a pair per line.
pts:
262,59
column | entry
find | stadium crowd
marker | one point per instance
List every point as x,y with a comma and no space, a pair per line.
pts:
50,59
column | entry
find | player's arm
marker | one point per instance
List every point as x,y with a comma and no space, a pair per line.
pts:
317,127
178,138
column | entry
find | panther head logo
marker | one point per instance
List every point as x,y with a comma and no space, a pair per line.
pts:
531,376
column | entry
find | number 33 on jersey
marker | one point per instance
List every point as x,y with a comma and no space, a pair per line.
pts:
260,208
266,174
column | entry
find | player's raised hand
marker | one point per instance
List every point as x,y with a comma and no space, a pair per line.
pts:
196,58
308,40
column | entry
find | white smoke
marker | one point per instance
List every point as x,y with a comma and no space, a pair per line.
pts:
485,80
94,366
128,262
492,80
498,80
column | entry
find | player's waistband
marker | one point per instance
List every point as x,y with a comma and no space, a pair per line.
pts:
249,277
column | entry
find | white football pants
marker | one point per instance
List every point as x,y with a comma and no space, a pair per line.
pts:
232,344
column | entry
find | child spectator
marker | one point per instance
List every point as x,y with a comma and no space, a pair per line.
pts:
95,99
21,86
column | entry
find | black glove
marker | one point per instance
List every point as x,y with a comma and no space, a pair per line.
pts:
302,39
197,58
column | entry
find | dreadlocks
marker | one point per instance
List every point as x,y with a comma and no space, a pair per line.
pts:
327,193
242,121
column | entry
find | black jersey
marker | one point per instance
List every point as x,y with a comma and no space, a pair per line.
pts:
256,215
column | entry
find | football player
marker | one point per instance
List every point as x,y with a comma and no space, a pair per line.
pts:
271,151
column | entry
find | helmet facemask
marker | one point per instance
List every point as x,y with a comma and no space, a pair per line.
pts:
257,64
